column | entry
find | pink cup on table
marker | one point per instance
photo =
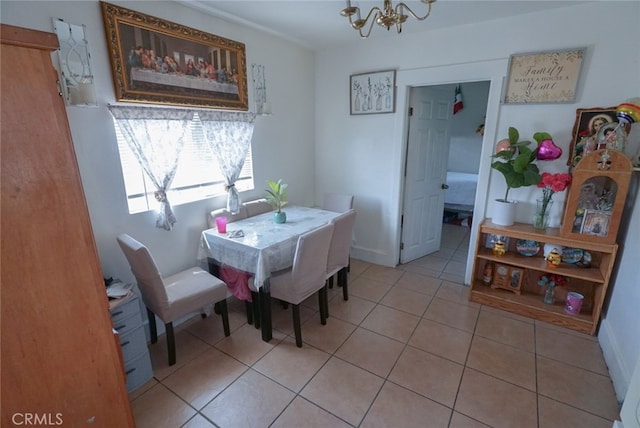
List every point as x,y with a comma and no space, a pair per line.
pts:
221,224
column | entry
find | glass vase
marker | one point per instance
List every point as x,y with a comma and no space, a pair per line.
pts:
541,217
549,296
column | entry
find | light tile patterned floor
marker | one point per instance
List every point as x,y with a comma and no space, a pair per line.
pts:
406,350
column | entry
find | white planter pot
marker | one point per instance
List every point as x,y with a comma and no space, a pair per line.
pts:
504,212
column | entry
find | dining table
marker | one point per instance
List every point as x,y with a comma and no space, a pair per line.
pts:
259,246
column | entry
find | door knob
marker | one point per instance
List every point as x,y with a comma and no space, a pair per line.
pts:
444,186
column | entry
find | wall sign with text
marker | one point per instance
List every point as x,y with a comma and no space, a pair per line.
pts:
544,77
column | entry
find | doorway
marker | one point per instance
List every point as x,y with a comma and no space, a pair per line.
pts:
441,168
492,71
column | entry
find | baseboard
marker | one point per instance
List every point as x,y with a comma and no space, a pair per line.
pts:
373,256
619,373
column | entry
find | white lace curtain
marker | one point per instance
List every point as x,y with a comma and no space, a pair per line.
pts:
229,137
156,137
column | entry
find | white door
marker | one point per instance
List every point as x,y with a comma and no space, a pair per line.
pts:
426,171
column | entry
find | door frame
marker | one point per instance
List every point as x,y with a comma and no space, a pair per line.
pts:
492,71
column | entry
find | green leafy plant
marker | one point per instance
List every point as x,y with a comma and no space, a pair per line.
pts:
516,162
277,194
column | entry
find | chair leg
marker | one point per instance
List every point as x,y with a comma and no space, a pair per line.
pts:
224,313
331,281
322,296
153,330
285,305
344,276
249,309
296,324
171,343
326,301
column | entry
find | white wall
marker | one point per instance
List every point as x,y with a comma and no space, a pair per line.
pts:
619,333
364,154
282,144
465,145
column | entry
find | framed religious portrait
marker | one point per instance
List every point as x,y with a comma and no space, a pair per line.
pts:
371,93
586,131
595,222
160,62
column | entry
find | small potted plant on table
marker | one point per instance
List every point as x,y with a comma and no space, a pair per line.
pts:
277,197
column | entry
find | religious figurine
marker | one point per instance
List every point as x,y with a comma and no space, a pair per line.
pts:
499,249
553,258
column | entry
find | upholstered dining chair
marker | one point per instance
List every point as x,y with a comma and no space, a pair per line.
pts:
338,260
340,203
307,275
258,206
337,202
237,281
173,296
211,216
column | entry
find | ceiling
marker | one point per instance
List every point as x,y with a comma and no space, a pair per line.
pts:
317,24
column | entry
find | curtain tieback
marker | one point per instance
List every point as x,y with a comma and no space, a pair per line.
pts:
160,195
228,187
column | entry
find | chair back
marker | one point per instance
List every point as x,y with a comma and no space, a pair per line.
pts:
211,217
259,206
341,241
150,283
310,260
337,202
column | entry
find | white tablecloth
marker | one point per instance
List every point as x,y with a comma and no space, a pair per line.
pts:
266,246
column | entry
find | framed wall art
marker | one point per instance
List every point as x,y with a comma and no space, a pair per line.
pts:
543,77
372,93
161,62
589,122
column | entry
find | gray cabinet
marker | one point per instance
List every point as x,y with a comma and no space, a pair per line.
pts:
127,321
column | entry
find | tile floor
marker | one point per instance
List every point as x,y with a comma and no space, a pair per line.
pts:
406,350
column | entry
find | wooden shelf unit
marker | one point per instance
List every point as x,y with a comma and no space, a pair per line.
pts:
592,282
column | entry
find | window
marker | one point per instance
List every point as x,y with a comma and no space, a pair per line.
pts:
197,177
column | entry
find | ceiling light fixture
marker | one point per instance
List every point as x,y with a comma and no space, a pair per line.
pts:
386,17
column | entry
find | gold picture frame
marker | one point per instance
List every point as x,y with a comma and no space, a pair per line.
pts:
543,77
161,62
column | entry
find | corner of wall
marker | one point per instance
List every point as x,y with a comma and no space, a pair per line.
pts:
611,350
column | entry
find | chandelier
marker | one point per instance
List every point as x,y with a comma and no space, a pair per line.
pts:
386,17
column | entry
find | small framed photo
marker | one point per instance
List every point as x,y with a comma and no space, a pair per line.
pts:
508,277
372,93
515,279
595,222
